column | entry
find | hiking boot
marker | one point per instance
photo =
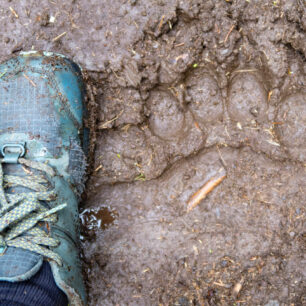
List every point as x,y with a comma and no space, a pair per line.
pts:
42,169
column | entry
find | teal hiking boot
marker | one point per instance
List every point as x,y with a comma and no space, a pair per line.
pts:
43,147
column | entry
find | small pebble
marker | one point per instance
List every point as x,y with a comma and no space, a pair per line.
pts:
183,301
272,303
217,211
254,111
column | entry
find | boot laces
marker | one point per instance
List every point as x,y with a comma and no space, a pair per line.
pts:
22,214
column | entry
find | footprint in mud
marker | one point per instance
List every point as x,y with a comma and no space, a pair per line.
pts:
205,98
174,125
167,119
291,127
123,155
247,98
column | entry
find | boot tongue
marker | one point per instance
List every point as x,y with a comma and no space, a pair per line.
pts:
17,264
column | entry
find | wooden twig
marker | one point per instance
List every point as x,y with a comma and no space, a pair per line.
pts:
104,125
161,23
14,12
59,36
202,193
229,32
32,82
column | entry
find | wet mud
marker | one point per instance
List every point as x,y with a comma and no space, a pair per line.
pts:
179,92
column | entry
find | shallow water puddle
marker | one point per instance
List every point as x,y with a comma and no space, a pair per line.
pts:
98,218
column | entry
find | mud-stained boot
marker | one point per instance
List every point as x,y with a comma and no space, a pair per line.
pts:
42,169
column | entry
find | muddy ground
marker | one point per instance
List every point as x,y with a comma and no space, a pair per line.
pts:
185,91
